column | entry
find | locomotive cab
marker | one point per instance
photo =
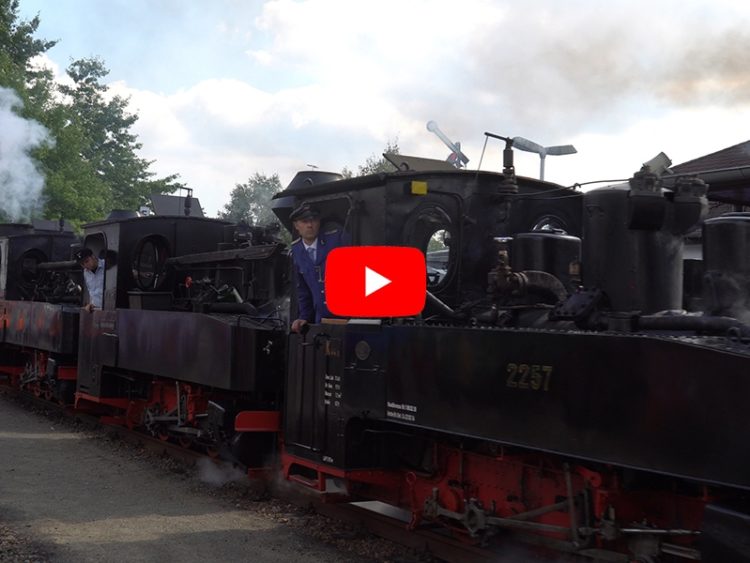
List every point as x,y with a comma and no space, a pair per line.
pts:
341,378
23,247
451,216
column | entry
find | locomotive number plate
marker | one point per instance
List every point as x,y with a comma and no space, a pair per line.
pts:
535,377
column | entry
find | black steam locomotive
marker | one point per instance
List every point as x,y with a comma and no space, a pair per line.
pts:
560,384
192,329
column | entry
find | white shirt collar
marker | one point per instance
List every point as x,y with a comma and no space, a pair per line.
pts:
314,244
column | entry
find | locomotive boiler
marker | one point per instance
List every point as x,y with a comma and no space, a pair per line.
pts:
553,386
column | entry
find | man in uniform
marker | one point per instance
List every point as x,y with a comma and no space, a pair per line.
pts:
309,254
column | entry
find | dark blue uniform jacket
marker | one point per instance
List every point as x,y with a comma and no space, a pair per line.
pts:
311,276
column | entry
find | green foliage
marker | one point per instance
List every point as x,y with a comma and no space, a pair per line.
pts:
250,202
73,189
91,165
377,164
111,147
439,240
347,173
17,37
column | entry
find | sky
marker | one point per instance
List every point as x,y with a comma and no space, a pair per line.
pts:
228,88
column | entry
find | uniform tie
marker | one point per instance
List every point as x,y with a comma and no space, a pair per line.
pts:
311,253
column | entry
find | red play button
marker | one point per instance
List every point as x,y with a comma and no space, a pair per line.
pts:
375,281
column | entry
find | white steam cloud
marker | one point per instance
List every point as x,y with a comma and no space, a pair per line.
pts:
21,182
218,474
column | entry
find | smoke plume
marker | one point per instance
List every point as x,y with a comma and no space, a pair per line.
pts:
21,182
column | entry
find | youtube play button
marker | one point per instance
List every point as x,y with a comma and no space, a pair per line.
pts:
375,281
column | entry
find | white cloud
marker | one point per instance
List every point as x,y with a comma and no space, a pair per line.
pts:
330,82
44,62
682,134
219,133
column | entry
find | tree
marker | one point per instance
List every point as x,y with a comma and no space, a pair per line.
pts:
18,45
58,158
377,164
91,164
73,188
251,202
111,145
347,173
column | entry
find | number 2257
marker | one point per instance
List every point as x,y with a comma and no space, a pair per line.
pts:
529,376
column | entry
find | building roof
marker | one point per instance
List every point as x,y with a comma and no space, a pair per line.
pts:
731,157
727,173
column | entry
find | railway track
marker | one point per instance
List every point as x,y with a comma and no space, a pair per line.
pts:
375,518
437,541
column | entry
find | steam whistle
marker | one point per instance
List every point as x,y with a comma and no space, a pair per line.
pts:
456,158
508,185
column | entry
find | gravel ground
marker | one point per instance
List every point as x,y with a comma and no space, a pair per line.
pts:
17,547
68,494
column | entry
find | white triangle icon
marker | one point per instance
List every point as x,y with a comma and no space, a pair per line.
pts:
374,281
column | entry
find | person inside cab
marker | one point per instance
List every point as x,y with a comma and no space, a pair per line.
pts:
309,253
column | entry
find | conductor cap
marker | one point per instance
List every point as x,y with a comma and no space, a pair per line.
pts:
304,211
82,254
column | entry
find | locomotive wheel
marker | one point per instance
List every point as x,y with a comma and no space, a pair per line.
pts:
185,441
163,435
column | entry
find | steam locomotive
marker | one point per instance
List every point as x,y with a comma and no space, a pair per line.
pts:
560,385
